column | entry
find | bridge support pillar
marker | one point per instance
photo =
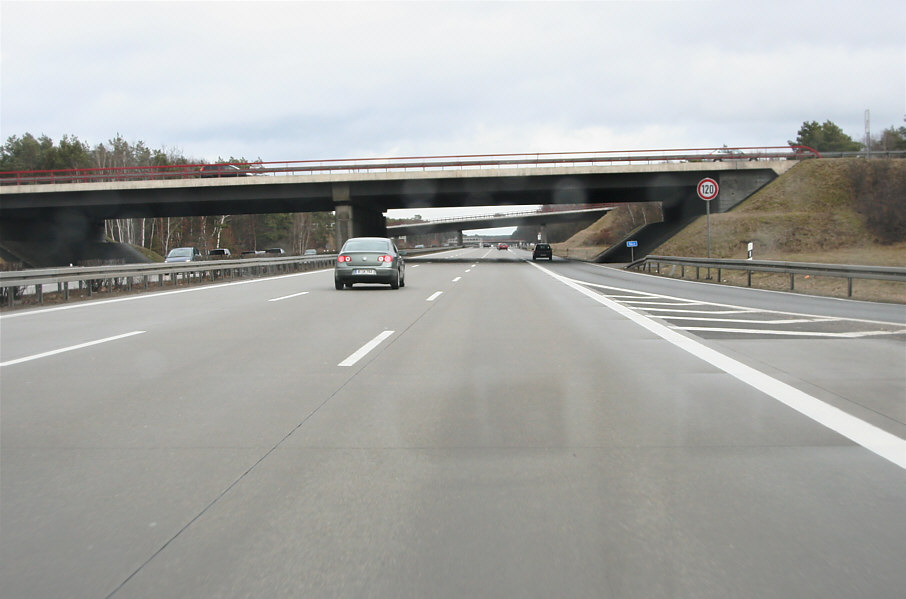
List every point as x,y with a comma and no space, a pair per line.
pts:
355,220
542,233
459,238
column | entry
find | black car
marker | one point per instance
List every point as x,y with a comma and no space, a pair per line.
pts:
370,260
542,250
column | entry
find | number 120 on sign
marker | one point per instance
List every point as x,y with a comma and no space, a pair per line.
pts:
707,189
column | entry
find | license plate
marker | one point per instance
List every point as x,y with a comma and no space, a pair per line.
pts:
364,271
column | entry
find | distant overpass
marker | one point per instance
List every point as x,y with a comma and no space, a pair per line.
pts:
65,210
534,218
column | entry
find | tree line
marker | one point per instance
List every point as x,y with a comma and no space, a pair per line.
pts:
828,137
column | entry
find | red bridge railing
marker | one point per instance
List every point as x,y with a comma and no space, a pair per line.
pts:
404,163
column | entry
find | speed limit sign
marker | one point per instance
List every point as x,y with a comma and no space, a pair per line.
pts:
707,189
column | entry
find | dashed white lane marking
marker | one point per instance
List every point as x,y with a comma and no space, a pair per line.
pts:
277,299
363,351
457,279
434,296
70,348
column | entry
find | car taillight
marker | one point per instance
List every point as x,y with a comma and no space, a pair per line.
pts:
385,258
342,258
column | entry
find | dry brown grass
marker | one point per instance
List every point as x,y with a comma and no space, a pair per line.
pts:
807,215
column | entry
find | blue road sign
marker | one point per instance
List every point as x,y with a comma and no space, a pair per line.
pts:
632,244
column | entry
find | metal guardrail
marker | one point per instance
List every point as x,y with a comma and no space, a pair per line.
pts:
404,164
93,279
848,272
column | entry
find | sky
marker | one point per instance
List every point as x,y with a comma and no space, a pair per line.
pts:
282,81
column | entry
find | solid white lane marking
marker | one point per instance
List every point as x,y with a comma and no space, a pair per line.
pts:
703,311
743,308
434,296
882,443
846,335
457,279
156,294
70,348
277,299
742,320
661,303
363,351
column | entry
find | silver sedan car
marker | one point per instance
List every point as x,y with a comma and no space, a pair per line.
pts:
369,260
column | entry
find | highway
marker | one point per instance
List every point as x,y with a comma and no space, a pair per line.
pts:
497,428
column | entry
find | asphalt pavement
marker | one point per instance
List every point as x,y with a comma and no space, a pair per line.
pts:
496,428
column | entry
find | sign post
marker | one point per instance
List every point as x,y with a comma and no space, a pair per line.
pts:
707,189
632,245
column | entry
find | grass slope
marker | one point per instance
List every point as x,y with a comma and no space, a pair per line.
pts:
806,215
809,214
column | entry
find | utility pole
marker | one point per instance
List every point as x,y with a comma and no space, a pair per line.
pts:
868,132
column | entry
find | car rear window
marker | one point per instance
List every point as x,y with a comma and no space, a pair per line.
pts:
366,245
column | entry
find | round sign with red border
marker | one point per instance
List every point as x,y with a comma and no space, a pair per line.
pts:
707,189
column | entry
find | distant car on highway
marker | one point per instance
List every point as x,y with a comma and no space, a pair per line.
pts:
221,170
219,253
274,251
310,253
369,260
503,246
542,250
251,253
184,254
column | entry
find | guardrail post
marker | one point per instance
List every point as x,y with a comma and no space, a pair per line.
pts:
39,289
792,284
748,278
849,290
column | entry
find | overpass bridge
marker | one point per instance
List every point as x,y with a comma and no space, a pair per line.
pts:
64,211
